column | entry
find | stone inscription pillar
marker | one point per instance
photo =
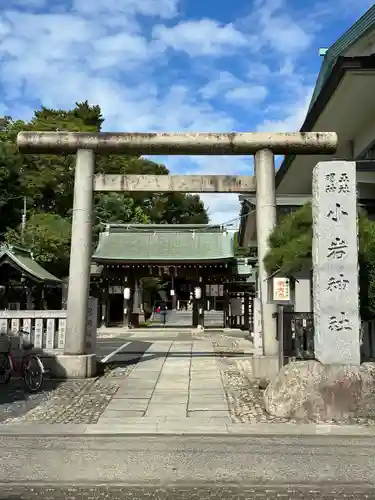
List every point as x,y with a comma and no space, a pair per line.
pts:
335,263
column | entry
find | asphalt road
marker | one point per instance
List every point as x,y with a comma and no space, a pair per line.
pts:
187,492
121,349
150,461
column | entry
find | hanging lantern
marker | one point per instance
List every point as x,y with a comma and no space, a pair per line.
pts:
126,293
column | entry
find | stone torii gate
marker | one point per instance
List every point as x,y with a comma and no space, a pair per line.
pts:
75,362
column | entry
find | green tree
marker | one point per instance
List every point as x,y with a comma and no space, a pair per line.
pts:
48,237
291,243
47,182
291,252
10,188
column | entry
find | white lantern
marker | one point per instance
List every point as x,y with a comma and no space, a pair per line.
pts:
126,293
171,293
197,292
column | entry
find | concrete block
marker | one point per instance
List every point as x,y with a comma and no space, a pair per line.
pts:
177,410
140,385
71,365
128,404
208,413
189,429
197,420
202,374
140,380
204,394
208,385
171,385
129,393
170,398
120,414
198,396
144,427
208,406
265,367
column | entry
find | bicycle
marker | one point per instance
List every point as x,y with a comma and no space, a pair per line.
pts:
30,367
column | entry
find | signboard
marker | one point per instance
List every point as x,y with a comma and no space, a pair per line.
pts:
281,289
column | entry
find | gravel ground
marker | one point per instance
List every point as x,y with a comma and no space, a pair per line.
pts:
245,398
15,401
63,402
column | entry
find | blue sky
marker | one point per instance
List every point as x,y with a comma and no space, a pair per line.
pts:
170,65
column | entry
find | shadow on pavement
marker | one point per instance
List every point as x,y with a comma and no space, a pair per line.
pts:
15,399
128,356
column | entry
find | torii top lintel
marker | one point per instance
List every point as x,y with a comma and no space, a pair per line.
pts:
186,143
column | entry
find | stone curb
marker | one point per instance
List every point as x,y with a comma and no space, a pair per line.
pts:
153,428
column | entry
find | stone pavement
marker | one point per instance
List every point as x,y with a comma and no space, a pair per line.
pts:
173,381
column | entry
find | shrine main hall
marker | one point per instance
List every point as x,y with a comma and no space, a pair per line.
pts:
136,265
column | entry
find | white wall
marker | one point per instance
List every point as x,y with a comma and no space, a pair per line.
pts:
364,137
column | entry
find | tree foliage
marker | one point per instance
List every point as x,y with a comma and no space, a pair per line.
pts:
47,236
291,252
47,182
291,243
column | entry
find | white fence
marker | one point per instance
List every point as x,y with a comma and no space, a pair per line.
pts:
48,328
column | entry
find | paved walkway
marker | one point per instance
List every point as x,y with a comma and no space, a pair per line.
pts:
174,381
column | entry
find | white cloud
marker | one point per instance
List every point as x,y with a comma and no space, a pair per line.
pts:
205,37
28,3
118,53
247,95
234,90
223,81
222,208
277,27
292,115
158,8
258,70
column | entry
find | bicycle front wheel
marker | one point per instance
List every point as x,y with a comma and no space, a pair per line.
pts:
32,372
5,368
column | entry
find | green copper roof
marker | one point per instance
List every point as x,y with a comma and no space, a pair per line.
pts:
24,261
159,243
354,33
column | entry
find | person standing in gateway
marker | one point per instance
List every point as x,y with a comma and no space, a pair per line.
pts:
164,312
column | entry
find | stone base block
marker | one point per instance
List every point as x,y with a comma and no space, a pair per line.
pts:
309,389
265,367
71,366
